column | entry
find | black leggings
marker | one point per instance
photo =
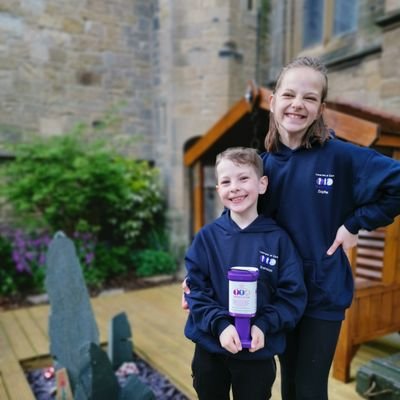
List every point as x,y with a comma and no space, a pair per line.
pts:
214,374
307,359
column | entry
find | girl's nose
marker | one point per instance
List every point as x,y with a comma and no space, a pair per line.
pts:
297,102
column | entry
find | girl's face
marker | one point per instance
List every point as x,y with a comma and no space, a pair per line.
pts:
238,187
296,103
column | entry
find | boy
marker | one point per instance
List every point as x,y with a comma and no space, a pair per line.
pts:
240,237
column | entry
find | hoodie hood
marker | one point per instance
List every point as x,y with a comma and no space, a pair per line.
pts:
260,224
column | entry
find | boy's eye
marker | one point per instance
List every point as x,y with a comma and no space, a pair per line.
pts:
311,98
225,182
244,178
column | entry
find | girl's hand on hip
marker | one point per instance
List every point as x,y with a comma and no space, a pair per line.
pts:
343,238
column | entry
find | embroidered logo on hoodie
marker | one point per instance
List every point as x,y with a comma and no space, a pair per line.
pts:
324,183
268,262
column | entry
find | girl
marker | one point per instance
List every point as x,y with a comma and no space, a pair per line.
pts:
322,191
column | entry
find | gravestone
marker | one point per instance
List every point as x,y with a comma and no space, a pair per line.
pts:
71,319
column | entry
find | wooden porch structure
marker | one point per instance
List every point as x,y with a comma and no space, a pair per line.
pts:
375,260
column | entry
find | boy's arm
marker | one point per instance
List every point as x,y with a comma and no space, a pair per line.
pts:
290,297
208,315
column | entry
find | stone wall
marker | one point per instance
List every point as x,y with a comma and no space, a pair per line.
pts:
63,62
207,55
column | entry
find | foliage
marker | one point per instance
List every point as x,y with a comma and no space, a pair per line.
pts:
68,181
24,255
152,262
8,272
109,205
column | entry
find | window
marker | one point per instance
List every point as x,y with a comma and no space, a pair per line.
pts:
313,20
345,17
325,19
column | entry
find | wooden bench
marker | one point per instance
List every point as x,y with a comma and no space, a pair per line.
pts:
374,311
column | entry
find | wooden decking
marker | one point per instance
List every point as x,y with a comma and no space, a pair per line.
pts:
157,322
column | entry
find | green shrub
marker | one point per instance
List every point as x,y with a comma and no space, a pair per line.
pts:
8,273
151,262
66,181
76,183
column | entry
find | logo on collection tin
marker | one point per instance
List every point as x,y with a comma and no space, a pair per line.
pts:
241,292
324,183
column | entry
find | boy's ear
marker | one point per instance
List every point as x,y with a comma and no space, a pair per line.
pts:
263,184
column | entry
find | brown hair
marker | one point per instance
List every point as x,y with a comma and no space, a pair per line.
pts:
242,156
318,131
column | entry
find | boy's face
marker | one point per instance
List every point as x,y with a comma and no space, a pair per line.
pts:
238,187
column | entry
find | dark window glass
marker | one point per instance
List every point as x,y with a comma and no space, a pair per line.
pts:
345,19
313,22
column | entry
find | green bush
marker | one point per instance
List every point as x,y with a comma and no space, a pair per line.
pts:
151,262
8,272
67,181
105,202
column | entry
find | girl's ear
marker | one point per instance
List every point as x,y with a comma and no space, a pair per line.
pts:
321,109
271,102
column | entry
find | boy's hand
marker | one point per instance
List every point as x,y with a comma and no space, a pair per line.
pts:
343,238
186,290
257,339
229,339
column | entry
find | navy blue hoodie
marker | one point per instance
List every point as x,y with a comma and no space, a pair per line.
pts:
311,193
281,294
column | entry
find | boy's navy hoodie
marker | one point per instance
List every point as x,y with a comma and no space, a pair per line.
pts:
281,294
311,193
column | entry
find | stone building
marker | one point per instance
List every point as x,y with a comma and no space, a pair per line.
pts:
179,66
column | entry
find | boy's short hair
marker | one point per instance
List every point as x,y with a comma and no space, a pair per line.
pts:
242,156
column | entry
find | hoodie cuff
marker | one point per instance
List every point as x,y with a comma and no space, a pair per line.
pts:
352,225
219,325
260,323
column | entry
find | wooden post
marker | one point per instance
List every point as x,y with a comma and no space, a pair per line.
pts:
198,196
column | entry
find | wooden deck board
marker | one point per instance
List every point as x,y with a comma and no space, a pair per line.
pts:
32,330
157,323
3,393
17,338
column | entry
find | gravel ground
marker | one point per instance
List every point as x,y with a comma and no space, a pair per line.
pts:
44,387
